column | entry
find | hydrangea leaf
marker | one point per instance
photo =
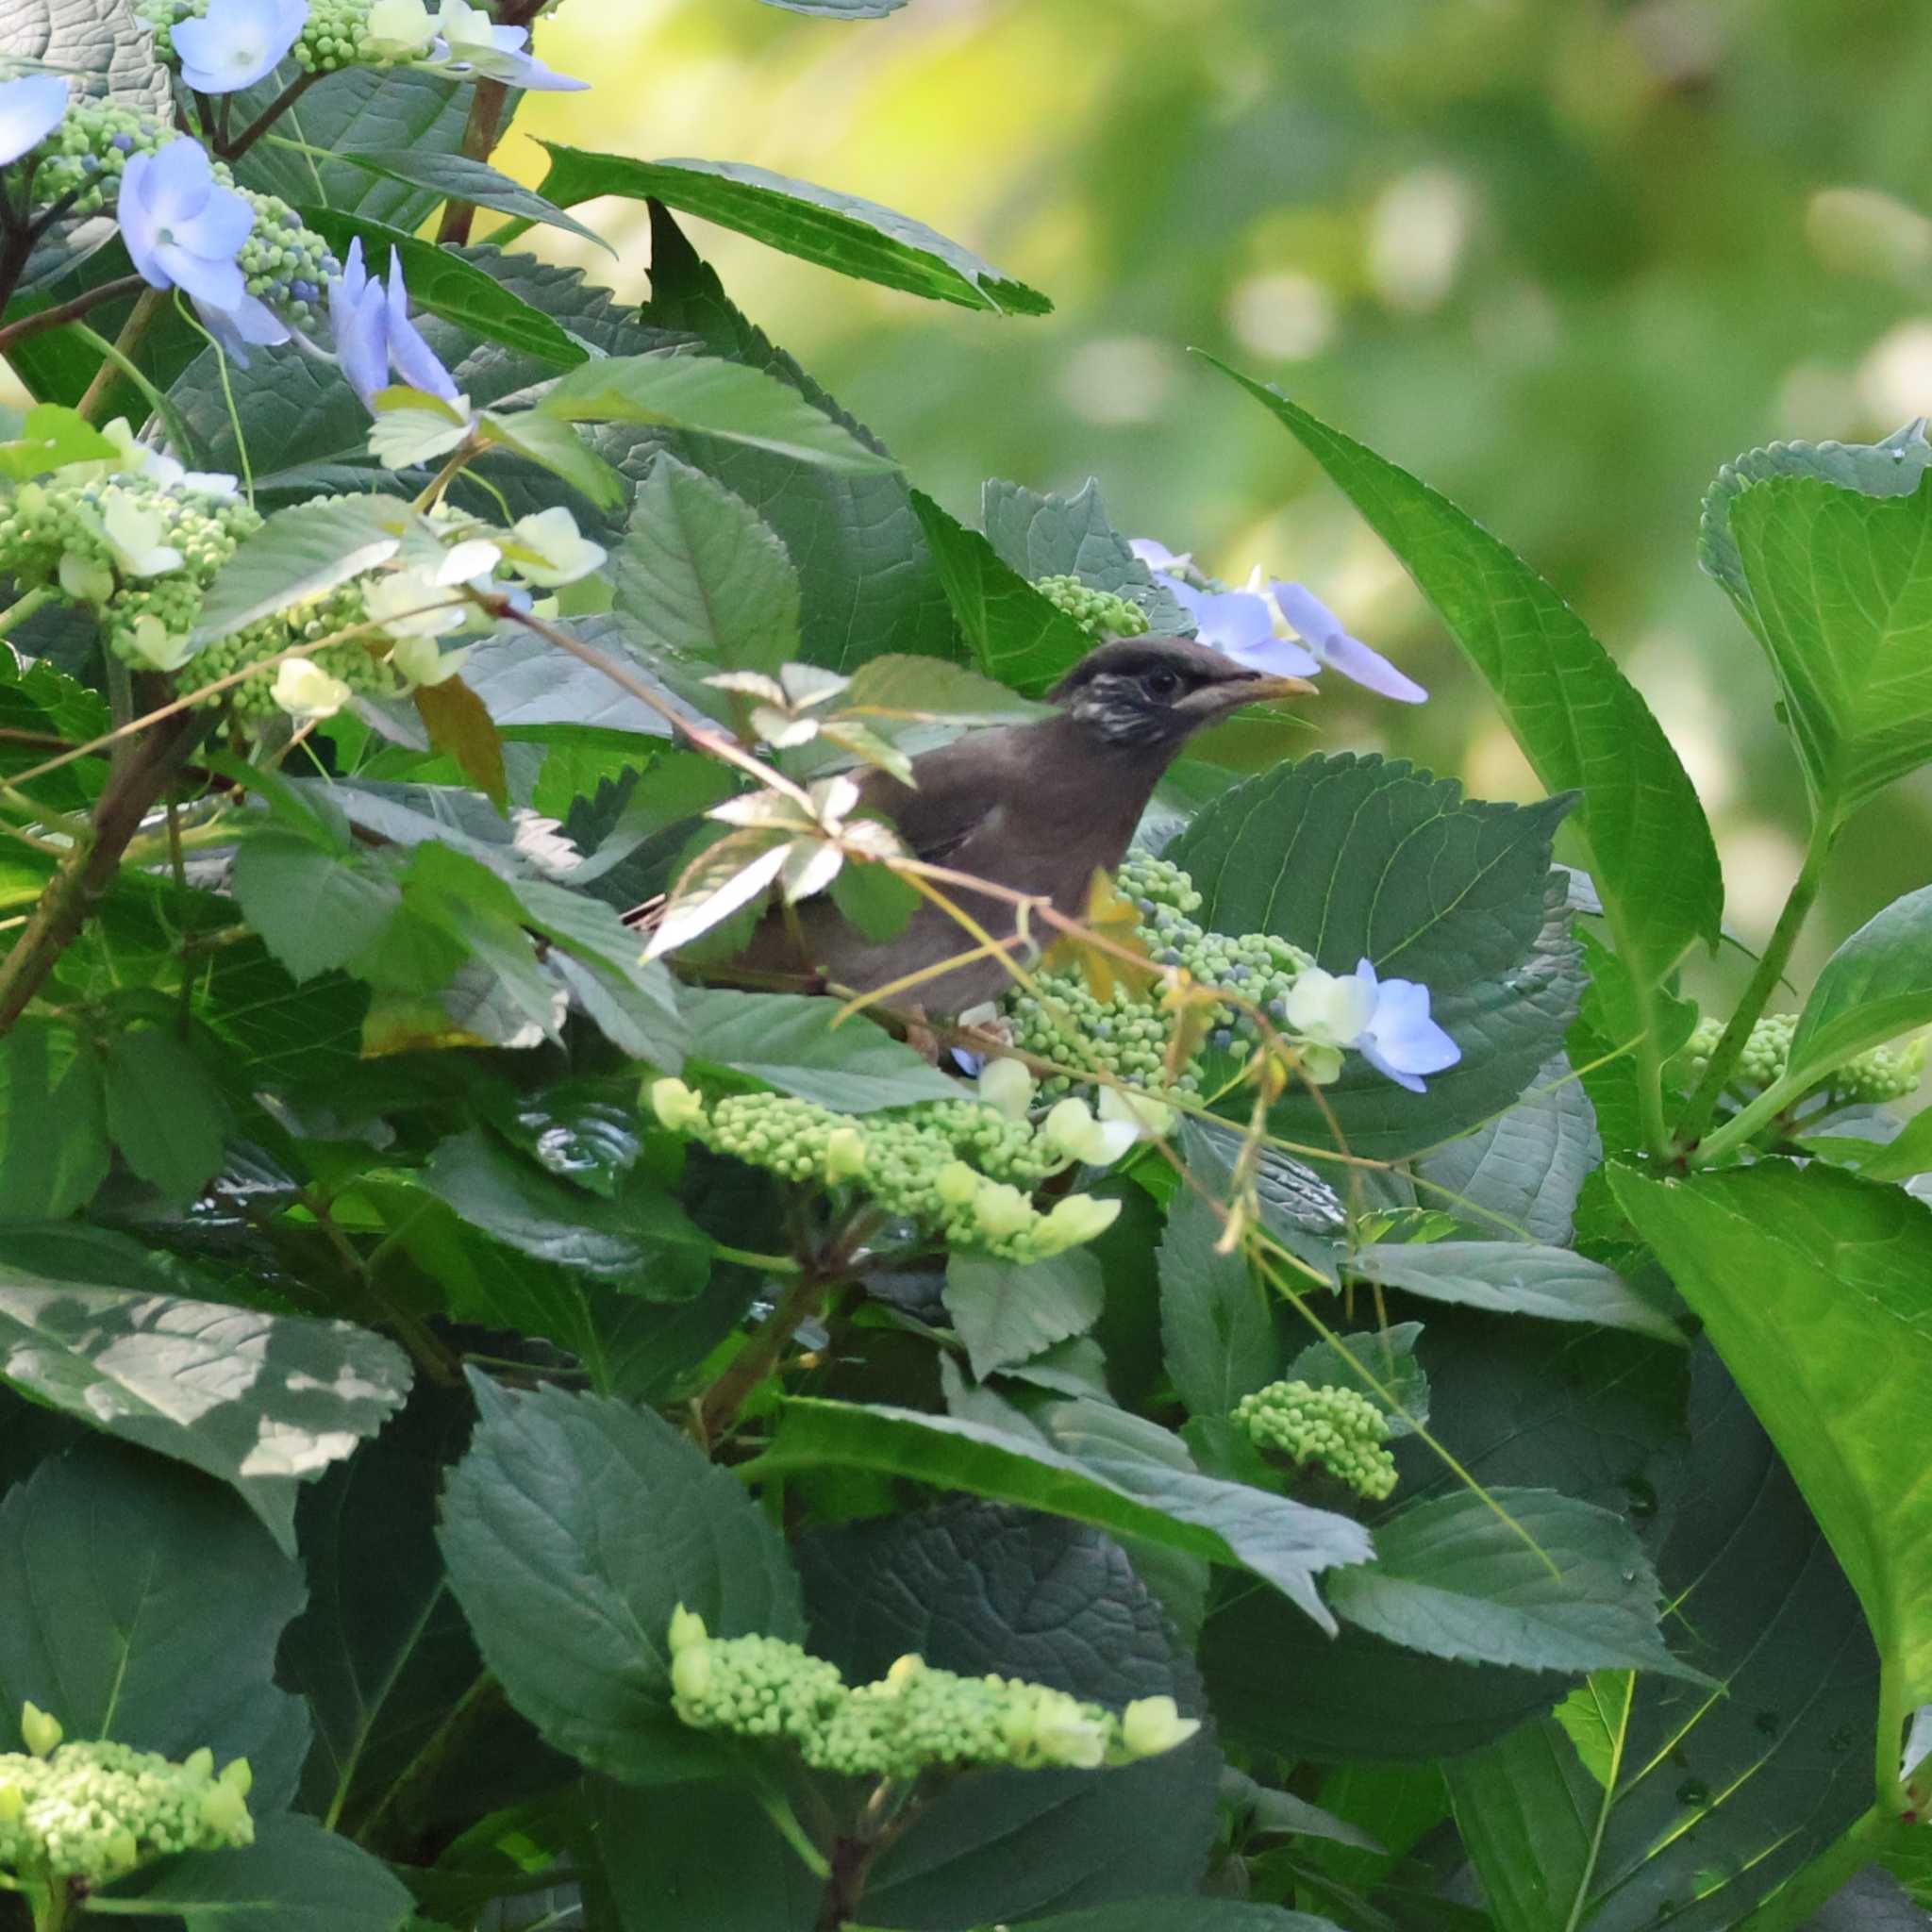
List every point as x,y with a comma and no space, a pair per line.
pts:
1041,534
1006,1314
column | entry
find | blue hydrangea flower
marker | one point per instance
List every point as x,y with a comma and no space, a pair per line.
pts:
236,41
1386,1020
182,227
250,324
30,109
1248,626
374,333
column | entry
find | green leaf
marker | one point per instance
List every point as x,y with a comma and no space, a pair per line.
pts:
1514,1277
1898,1160
901,690
818,224
700,584
297,1876
443,282
984,1573
1891,468
1046,536
1876,986
641,1241
1217,1329
710,397
298,554
53,435
559,448
789,1041
1285,1544
1581,722
1017,636
1807,1279
314,910
1006,1314
1365,856
1182,1915
53,1122
867,578
144,1604
573,1529
1526,1168
1452,1578
263,1402
458,177
539,694
37,698
459,726
164,1113
90,39
1693,1804
1841,587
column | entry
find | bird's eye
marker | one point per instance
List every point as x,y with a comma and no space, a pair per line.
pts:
1160,685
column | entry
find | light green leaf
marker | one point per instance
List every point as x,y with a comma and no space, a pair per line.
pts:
557,447
1354,858
442,282
1876,986
1841,585
53,1122
700,584
1580,720
899,688
1041,534
1528,1810
164,1113
1017,636
1817,1290
710,397
1006,1314
297,1876
298,554
573,1529
1897,1159
458,177
314,910
818,224
1514,1279
53,435
263,1402
787,1041
1217,1329
1285,1544
1451,1578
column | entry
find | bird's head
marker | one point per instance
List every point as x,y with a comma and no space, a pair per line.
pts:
1151,694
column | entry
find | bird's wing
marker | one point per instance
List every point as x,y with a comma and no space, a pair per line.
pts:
959,789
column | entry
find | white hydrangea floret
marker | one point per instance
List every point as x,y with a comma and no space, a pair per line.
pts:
563,553
306,690
1008,1085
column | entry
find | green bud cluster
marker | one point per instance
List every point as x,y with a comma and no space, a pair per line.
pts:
960,1167
95,1811
1340,1429
285,264
1099,613
62,518
1128,1034
350,661
913,1719
1870,1079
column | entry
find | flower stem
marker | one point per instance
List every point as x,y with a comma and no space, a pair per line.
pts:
66,311
1770,966
23,607
269,116
133,331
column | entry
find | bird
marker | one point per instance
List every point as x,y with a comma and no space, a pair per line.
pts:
1038,807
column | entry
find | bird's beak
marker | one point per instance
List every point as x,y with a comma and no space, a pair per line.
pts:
1214,700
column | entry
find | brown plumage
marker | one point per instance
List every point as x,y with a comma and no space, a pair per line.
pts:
1038,807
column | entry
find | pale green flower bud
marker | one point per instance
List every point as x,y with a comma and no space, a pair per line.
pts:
1064,1734
123,1852
906,1670
1008,1086
679,1107
306,690
223,1807
690,1672
1075,1220
239,1775
201,1763
1001,1209
1321,1064
686,1630
134,535
956,1184
1151,1119
85,580
845,1154
12,1801
40,1731
1150,1725
422,661
1070,1129
154,644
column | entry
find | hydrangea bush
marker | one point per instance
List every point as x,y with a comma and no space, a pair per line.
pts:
1341,1399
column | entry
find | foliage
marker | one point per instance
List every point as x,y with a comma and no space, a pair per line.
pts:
1336,1371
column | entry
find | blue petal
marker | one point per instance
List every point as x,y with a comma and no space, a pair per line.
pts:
1275,657
1232,621
217,283
177,183
411,358
1322,629
140,227
30,109
362,330
221,228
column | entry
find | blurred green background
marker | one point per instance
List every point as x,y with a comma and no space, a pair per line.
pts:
1559,259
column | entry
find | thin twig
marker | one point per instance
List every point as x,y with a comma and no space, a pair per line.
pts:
229,150
66,311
